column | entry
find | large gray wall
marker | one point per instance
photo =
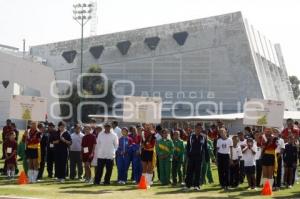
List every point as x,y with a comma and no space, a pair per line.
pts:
216,62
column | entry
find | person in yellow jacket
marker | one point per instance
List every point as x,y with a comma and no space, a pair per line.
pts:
165,150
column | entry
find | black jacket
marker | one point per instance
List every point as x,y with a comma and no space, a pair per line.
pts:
197,147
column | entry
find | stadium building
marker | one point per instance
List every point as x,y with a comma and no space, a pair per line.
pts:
203,66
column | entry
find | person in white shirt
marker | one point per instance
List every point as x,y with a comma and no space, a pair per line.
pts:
107,144
116,129
224,157
235,166
242,143
75,153
249,153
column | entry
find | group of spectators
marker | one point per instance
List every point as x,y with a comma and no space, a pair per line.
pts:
182,156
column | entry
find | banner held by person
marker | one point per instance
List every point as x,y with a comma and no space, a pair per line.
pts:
28,108
142,109
267,113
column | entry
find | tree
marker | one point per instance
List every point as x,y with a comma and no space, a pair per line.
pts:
91,85
295,86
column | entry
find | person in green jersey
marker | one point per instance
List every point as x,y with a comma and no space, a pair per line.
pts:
178,156
165,150
206,166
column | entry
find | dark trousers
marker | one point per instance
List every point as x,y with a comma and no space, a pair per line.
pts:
176,171
223,169
61,158
50,162
235,173
193,172
277,179
123,166
258,172
42,166
157,166
108,164
242,171
137,168
75,163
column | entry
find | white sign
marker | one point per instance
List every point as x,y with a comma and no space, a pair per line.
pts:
28,108
267,113
142,109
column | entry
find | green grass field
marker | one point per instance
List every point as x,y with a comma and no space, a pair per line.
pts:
75,189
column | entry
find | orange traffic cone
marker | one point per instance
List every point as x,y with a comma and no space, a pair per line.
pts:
143,183
22,178
267,189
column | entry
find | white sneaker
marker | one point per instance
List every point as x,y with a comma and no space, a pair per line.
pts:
197,188
62,181
185,188
290,186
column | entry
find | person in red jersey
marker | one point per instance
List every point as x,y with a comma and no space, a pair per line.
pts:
88,148
290,130
269,160
148,152
6,130
10,153
33,137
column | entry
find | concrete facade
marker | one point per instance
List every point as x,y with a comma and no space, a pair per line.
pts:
209,65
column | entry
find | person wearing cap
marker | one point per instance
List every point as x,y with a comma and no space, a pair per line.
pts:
122,156
88,150
33,155
43,144
52,135
107,144
6,130
62,144
249,152
75,153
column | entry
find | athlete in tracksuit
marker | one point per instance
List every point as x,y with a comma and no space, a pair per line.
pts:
135,155
196,146
123,156
165,150
179,150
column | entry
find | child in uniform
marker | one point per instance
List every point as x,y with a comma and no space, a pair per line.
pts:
88,148
258,165
249,157
235,165
177,161
224,149
165,150
123,156
290,161
135,154
10,152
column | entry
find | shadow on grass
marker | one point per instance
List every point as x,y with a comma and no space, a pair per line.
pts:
175,191
106,190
